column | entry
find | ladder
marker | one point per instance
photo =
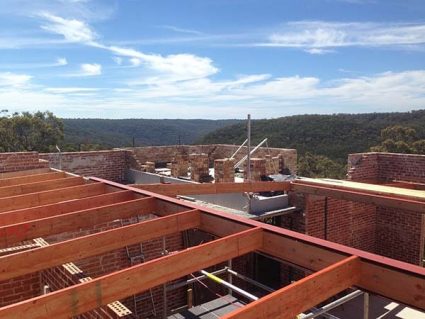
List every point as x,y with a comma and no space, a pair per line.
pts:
138,259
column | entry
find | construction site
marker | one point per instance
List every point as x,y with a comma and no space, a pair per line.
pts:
210,231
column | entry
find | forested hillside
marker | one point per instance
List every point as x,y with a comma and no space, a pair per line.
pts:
117,133
334,136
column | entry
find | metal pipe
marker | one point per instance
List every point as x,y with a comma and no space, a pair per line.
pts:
237,151
228,285
249,149
60,157
251,281
332,305
251,152
274,213
229,276
366,305
193,280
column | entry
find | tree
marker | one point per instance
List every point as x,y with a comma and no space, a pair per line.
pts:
400,139
419,147
39,131
399,133
311,165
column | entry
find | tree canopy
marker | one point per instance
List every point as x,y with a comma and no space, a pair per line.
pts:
39,131
400,139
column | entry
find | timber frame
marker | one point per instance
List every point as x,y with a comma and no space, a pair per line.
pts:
40,204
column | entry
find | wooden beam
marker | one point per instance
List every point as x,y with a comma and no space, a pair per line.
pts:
357,196
22,263
373,189
384,274
393,283
322,252
38,212
73,221
406,184
49,197
22,189
380,275
25,173
304,294
31,178
216,188
84,297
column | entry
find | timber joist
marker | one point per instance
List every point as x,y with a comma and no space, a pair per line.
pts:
47,205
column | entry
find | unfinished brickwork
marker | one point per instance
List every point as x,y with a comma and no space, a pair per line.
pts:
386,167
214,151
224,171
363,167
258,169
20,161
274,165
149,167
110,165
179,165
199,167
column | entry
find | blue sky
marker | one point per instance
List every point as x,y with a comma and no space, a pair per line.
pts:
211,58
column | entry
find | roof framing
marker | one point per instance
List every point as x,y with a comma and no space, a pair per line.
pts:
43,213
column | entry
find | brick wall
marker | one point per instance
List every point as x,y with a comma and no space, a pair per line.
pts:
399,234
19,289
386,166
61,277
111,165
363,167
20,161
214,151
115,260
406,167
348,223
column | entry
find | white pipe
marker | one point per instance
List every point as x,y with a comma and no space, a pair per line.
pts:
193,280
229,276
332,305
252,152
228,285
237,151
366,305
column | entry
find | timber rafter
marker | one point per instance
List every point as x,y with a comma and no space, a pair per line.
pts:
335,267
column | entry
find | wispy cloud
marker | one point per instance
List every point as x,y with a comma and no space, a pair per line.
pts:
260,94
71,29
88,69
70,90
59,62
181,30
135,61
9,79
320,36
175,67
